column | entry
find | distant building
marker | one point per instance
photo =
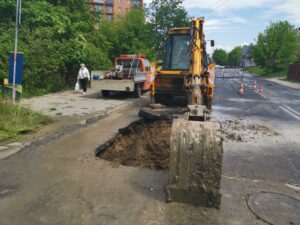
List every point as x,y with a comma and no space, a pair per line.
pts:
111,8
246,59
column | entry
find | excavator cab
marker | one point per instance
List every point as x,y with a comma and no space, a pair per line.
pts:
177,51
185,64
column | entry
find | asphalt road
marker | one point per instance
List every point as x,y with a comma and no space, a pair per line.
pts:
63,183
276,108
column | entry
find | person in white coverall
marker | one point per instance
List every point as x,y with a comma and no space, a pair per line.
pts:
83,77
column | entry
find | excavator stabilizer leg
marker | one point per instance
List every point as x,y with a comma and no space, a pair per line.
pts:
195,163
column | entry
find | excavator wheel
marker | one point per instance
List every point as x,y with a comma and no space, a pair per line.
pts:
195,163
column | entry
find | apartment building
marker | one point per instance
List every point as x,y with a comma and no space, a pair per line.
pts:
111,8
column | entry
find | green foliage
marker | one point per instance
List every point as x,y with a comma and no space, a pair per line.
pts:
276,47
130,34
234,57
15,121
264,72
220,57
56,36
255,70
166,14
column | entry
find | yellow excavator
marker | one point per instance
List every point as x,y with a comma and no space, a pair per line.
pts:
196,144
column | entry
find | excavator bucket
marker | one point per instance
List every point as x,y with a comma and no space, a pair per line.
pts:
195,163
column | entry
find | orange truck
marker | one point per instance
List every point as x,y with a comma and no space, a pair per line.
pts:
131,73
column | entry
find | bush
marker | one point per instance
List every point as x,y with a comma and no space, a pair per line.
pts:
55,36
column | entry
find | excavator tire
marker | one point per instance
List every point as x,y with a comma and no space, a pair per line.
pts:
195,163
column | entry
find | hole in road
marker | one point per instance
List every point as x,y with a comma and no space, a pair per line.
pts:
141,144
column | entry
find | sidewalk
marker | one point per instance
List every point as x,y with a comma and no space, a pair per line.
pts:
71,110
283,82
71,103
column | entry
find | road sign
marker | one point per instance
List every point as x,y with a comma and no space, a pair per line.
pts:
19,68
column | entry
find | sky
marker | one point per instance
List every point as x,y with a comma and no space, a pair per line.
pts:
238,22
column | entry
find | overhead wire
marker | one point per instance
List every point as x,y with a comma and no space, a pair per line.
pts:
217,7
218,4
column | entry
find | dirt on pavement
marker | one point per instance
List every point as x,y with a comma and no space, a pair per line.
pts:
243,130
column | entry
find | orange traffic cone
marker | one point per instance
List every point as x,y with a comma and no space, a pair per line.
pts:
254,85
261,89
241,90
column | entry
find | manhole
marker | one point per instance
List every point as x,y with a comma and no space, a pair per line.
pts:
275,209
141,144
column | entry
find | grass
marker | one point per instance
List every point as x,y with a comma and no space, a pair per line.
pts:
264,73
16,121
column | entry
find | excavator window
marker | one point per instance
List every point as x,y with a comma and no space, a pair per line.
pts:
177,52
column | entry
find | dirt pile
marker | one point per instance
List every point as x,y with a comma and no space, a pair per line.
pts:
141,144
243,131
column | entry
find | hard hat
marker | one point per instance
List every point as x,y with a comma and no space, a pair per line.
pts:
82,65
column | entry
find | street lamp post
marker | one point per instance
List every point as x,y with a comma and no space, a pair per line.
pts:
18,23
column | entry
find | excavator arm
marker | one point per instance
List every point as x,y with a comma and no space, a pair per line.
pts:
196,149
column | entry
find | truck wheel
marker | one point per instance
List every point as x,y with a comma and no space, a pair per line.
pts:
137,91
105,93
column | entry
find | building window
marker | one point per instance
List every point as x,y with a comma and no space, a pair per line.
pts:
128,1
99,7
120,10
98,1
109,9
109,2
120,1
109,17
128,9
136,2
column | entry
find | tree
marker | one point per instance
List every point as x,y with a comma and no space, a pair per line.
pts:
56,36
276,47
220,57
130,34
234,57
163,15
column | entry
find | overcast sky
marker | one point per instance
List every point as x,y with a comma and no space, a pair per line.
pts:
236,22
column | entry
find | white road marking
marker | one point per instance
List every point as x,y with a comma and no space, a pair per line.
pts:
286,109
290,112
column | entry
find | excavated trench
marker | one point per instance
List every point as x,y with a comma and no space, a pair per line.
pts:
142,144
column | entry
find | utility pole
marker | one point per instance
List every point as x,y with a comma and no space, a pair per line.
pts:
18,23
